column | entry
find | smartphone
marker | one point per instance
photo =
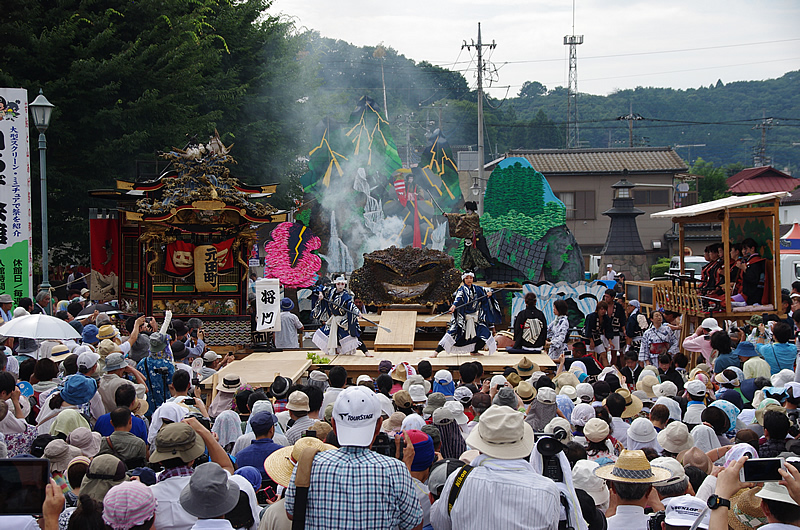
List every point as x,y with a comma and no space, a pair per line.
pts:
762,470
22,485
310,434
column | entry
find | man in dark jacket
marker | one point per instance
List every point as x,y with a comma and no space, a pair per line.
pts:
598,330
530,328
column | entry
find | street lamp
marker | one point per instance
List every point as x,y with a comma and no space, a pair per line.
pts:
41,110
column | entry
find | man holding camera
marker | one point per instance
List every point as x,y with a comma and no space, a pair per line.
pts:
520,497
195,341
353,487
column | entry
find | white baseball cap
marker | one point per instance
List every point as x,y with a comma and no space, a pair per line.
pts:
355,414
87,359
464,395
458,411
498,380
710,324
443,377
696,388
211,356
684,511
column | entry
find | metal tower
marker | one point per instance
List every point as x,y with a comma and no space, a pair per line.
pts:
573,135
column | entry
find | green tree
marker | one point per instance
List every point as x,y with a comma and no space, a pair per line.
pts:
713,184
531,89
132,78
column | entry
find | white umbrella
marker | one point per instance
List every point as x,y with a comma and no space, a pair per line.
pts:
39,327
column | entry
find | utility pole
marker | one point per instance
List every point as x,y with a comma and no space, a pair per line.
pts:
573,135
760,157
630,118
481,161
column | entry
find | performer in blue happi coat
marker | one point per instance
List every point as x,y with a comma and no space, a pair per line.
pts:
334,306
474,311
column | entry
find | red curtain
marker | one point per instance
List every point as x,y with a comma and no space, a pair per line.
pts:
104,237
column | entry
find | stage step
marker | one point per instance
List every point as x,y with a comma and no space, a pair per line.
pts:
403,325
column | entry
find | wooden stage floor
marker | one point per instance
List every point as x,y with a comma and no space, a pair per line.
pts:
359,364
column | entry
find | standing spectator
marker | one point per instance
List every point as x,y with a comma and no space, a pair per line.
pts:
210,482
290,326
529,500
122,443
781,354
598,330
354,487
557,331
658,339
263,424
632,478
700,340
530,328
195,342
116,368
618,319
635,325
6,303
158,370
298,408
337,378
178,445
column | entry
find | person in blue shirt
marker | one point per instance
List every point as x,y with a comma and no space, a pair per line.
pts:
781,354
263,424
158,370
125,396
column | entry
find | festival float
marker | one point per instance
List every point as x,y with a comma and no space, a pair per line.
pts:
181,242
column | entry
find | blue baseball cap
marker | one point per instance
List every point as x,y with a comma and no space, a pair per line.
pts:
262,422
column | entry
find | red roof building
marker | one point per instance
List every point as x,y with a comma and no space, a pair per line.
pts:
765,179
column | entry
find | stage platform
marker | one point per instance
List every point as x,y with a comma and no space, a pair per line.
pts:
260,368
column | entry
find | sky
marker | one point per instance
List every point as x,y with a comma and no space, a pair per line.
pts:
677,44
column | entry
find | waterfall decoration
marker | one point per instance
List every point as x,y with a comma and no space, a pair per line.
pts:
338,256
290,255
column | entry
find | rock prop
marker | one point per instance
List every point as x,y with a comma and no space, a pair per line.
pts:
405,276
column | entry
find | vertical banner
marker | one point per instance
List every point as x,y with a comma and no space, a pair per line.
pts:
104,254
268,304
16,272
205,268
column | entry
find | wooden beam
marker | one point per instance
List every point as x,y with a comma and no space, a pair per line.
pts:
726,241
752,212
711,217
776,255
680,249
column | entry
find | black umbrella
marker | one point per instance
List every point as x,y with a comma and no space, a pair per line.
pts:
100,308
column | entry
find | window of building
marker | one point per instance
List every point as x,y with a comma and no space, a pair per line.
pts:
579,204
651,197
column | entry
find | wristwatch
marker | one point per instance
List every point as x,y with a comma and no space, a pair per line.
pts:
715,501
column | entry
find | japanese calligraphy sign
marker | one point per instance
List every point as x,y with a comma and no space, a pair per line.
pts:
268,304
205,268
16,274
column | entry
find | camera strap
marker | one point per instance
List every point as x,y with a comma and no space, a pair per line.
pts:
458,483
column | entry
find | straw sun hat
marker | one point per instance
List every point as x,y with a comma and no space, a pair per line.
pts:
280,464
633,466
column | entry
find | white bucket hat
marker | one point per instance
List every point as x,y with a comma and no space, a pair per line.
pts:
502,433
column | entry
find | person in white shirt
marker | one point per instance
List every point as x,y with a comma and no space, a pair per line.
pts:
298,408
611,274
631,478
290,325
177,446
519,495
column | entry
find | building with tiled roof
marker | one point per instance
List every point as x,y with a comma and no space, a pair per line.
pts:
764,179
582,179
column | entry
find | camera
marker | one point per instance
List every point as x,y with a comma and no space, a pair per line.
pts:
654,523
205,422
193,333
163,370
549,445
189,401
385,445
